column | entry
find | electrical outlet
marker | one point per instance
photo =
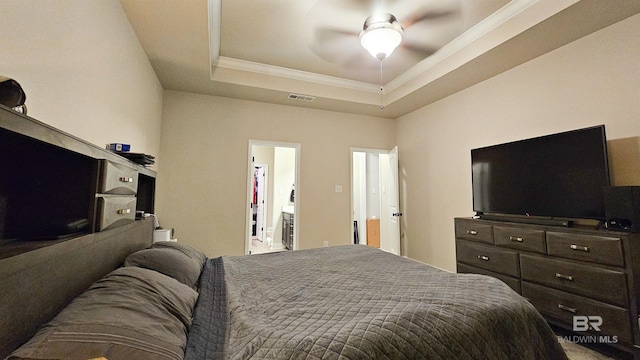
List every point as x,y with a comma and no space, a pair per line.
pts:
326,243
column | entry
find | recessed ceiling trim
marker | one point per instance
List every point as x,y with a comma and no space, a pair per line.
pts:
485,26
511,20
183,68
264,69
407,79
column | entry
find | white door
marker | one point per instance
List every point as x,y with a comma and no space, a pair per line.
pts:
394,203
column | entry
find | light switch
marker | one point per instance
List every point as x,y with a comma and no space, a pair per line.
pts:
338,188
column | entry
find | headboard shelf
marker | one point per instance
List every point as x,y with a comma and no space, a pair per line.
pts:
49,185
51,247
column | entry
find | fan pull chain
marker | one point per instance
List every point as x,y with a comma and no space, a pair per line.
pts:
381,88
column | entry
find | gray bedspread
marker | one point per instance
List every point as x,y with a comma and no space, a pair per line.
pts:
356,302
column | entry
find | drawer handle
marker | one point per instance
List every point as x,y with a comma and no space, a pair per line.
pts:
472,232
566,277
579,248
482,257
126,179
566,308
124,211
516,238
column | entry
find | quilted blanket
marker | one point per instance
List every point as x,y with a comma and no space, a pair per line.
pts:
356,302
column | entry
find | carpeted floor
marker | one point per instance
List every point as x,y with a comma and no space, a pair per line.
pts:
578,352
259,247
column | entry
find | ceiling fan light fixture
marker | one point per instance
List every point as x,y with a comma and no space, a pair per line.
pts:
381,34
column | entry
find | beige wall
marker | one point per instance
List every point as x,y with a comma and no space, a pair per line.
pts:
83,70
202,187
595,80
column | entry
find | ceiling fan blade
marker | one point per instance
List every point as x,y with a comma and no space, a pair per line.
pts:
423,50
352,58
357,60
431,14
362,5
337,46
327,34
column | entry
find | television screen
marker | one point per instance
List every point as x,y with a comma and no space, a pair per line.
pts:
560,175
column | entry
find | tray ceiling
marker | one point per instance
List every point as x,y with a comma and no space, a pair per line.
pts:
264,50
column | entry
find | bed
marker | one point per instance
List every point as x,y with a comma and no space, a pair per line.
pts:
169,301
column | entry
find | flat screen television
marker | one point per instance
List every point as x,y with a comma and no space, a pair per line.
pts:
554,176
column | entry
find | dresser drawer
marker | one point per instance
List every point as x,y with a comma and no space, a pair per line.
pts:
471,230
519,238
563,306
114,211
488,257
591,281
118,179
510,281
598,249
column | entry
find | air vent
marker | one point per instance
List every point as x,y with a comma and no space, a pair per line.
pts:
299,97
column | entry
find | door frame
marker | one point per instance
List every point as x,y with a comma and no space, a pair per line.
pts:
298,191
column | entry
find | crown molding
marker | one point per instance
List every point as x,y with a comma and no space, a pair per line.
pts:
215,60
508,22
495,20
277,71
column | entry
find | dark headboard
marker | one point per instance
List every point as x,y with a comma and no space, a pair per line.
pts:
36,285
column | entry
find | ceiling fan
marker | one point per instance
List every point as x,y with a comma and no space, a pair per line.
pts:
381,34
338,35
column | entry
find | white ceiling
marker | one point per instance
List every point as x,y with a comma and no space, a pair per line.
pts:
263,50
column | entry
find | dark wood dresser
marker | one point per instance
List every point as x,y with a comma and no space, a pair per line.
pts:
580,279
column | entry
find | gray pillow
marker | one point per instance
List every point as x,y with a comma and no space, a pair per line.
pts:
169,262
132,313
191,251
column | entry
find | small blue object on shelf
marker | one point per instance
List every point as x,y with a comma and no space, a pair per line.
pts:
118,147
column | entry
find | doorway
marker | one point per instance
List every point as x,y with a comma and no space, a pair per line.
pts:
273,194
374,198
